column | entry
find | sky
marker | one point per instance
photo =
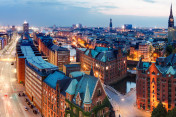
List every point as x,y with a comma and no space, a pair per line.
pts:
140,13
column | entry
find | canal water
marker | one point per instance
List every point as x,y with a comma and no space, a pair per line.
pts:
125,85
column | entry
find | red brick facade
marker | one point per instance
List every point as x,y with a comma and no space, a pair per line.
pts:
152,87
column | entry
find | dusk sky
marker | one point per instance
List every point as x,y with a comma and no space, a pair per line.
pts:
144,13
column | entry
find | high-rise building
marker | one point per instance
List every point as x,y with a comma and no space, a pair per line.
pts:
171,19
25,27
156,82
110,25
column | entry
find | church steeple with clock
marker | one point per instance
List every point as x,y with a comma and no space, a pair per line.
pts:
171,19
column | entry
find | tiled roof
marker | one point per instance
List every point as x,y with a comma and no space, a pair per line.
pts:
82,84
72,87
52,79
102,54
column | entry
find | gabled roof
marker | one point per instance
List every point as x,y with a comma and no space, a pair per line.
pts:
82,84
171,71
72,87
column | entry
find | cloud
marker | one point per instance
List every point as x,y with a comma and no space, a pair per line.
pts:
107,7
150,1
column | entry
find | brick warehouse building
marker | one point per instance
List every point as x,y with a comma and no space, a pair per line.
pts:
156,82
36,70
56,55
108,64
24,49
53,96
63,96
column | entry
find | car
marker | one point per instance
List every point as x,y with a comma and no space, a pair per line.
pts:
31,106
35,111
26,100
23,94
12,63
25,108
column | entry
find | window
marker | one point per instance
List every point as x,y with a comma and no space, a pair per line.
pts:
99,92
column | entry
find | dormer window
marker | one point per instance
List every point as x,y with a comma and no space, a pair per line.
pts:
153,73
99,92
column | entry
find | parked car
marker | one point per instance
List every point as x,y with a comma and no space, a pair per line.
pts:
12,63
23,94
25,108
26,100
35,111
31,106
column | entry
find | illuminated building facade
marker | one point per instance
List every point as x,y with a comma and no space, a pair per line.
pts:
53,96
108,64
56,55
156,82
142,50
83,95
25,27
36,70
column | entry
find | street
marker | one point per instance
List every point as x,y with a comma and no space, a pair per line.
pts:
125,105
11,104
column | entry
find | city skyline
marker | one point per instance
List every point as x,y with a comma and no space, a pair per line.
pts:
143,13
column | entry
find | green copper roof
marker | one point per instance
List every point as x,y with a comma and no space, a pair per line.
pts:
170,71
87,98
72,87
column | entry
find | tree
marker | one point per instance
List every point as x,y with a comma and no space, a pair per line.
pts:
172,113
159,111
169,50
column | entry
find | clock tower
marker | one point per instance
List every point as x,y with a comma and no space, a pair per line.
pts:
171,19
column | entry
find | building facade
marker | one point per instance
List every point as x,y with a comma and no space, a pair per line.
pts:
53,97
108,64
56,55
156,83
36,70
83,96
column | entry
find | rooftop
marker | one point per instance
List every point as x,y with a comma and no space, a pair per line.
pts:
52,79
38,62
27,51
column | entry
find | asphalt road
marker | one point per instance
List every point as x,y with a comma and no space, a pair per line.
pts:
125,105
11,105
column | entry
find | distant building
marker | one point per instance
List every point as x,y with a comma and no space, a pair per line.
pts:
171,28
143,50
110,26
25,27
56,55
128,26
67,69
109,65
156,82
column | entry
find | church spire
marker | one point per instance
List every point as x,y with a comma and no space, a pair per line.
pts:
171,18
110,25
171,14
